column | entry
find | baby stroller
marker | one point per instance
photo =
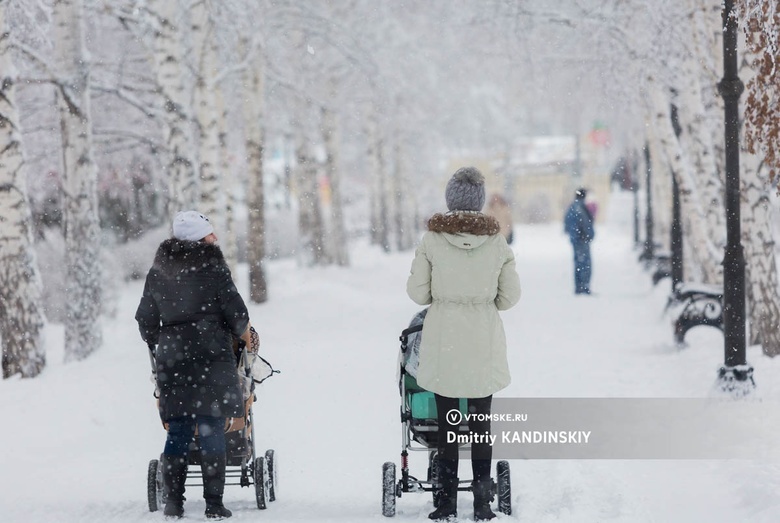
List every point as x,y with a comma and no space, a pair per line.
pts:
243,466
420,433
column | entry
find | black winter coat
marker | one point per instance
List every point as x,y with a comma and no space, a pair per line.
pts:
189,309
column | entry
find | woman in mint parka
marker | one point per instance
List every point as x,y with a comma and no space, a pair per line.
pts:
465,270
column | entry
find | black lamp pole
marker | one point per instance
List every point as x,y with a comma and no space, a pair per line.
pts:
634,166
676,230
649,251
735,376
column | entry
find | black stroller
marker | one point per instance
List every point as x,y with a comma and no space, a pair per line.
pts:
420,433
243,466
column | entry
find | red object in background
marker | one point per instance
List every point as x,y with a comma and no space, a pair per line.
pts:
593,208
599,135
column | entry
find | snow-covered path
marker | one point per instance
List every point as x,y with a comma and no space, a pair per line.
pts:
77,440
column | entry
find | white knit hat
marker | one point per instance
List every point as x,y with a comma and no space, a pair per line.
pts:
191,225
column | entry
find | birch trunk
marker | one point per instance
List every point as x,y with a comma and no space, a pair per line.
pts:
761,268
83,333
661,187
21,316
168,52
379,203
231,136
338,234
701,132
763,299
310,224
708,41
228,238
404,234
254,96
695,225
212,194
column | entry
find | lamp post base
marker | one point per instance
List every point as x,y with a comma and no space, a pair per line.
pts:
736,381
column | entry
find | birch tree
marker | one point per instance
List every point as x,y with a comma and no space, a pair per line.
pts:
311,227
333,167
254,105
403,196
695,221
380,219
212,191
83,334
167,45
21,316
761,22
763,299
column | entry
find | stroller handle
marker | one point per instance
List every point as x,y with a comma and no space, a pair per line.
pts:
405,335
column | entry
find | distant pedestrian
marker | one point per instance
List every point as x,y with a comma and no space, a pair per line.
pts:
578,224
499,209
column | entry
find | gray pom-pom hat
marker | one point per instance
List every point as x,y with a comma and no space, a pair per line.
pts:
466,190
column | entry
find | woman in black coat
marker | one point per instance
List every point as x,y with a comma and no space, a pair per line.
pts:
190,310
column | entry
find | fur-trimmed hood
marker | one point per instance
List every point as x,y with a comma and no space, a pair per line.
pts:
176,256
462,222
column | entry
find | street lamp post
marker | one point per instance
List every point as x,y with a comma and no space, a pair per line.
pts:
676,229
649,251
634,166
735,376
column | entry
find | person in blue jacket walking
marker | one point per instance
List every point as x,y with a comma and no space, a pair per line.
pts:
578,224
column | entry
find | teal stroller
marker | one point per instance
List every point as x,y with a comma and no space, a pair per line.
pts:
420,433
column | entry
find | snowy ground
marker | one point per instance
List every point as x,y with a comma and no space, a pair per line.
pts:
76,441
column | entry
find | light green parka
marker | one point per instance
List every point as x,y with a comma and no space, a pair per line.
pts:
466,271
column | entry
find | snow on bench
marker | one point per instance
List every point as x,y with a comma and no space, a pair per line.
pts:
695,304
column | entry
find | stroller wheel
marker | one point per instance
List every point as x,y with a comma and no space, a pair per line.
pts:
388,489
273,480
504,487
154,490
261,482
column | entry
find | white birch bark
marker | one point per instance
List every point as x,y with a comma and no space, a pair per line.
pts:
253,97
695,224
701,132
212,192
21,315
228,240
338,236
168,52
661,189
379,204
311,227
83,333
707,39
761,281
403,199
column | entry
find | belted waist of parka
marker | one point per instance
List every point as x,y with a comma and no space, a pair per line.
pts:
195,318
463,302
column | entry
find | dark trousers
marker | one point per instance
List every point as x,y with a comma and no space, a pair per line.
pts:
481,453
211,432
582,267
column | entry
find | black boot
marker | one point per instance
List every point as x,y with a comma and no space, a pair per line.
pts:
483,496
213,467
447,470
174,475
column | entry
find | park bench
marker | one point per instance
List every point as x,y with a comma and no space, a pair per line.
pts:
663,267
695,304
